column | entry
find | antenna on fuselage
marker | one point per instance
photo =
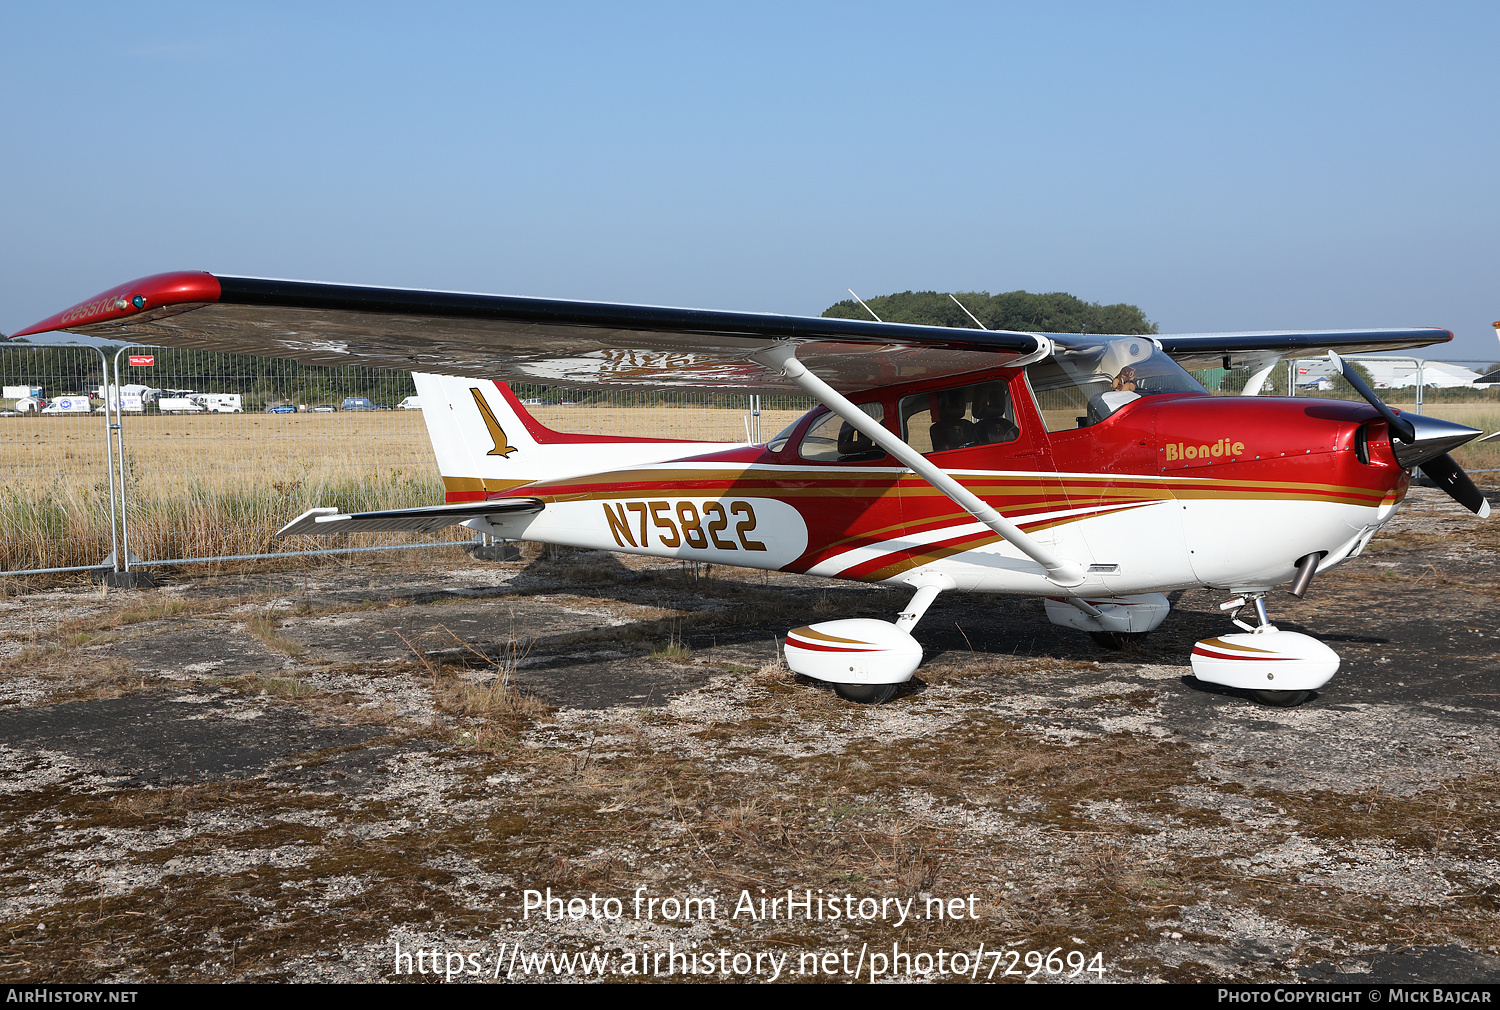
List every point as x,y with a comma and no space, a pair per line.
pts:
966,311
861,301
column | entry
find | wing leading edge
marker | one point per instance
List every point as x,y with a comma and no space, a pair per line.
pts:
552,341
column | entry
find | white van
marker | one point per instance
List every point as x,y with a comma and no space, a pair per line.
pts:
410,403
69,405
179,405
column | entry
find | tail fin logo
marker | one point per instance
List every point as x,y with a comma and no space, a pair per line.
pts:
497,433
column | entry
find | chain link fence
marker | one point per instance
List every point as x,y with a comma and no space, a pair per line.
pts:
55,457
161,456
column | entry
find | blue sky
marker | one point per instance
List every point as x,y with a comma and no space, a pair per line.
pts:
1223,167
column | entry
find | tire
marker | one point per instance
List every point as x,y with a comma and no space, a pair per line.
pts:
1282,699
866,694
496,552
1115,640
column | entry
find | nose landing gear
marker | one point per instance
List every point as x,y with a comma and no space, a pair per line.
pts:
1281,668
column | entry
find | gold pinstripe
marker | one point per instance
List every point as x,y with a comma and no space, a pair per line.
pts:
819,636
1219,643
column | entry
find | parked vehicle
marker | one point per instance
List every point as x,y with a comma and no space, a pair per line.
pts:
323,408
220,403
201,403
134,397
410,403
281,408
69,405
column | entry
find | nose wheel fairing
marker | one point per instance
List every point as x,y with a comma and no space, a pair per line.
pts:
1279,667
1267,659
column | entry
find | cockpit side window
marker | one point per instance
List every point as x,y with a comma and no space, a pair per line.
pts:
831,439
959,418
1082,385
783,436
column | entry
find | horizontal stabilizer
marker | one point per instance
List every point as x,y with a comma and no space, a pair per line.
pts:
325,521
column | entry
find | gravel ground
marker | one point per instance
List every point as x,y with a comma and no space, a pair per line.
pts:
368,772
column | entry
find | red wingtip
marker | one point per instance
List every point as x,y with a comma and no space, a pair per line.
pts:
131,299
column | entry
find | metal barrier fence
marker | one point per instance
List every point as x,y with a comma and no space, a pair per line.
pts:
1414,381
156,456
59,496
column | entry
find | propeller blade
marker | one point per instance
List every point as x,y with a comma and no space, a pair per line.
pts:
1400,427
1448,475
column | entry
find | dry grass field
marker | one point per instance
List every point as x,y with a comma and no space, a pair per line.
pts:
1485,416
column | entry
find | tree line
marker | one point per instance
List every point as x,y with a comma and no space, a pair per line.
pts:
1056,312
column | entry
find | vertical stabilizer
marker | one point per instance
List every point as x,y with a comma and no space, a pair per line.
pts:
486,442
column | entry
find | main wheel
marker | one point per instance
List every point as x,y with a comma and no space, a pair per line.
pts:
1282,699
866,694
1116,639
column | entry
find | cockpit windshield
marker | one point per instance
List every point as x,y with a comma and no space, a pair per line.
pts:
1088,380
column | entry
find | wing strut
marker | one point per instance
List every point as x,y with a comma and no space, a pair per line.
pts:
783,357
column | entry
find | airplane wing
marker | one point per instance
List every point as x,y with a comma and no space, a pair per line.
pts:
527,340
571,343
1208,350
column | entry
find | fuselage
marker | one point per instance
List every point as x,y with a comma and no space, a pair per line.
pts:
1167,491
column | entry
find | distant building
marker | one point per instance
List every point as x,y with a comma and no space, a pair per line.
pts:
1317,374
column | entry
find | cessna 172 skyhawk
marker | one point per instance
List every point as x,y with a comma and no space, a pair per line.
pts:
1091,470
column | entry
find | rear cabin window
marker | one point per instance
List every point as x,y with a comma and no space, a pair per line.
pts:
980,414
831,439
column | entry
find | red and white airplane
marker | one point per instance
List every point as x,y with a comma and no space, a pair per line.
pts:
1091,470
